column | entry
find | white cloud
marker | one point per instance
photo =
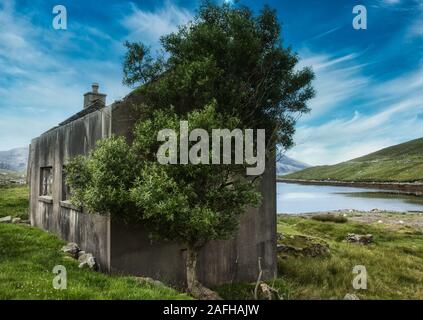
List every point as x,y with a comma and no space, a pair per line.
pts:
148,26
338,79
40,86
399,119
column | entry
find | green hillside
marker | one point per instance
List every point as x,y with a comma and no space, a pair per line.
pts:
399,163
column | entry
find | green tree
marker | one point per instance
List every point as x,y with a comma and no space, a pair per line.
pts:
191,204
228,54
225,69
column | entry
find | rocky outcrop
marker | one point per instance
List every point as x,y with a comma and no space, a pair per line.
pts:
15,220
359,238
351,296
71,249
7,219
299,245
85,259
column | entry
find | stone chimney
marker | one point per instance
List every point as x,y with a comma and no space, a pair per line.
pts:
94,95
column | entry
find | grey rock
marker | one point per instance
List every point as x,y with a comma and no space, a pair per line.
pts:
7,219
279,236
16,220
359,238
351,296
149,281
72,249
87,260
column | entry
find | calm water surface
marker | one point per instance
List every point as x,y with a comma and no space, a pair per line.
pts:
297,198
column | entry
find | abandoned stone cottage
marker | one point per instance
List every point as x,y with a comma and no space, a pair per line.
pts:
127,248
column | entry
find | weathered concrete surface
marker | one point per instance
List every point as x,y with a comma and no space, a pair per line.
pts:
220,262
128,249
53,149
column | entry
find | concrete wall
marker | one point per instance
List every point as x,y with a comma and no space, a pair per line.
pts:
128,249
53,149
234,260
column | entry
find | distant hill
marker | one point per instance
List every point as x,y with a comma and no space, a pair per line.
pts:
14,160
399,163
288,165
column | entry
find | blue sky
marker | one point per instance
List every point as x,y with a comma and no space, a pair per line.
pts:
369,82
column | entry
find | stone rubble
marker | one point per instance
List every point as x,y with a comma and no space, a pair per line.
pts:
7,219
359,238
85,259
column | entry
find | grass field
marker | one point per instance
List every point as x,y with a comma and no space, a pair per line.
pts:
394,262
14,201
27,258
28,255
400,163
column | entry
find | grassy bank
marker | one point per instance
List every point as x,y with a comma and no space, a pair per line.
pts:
400,163
27,258
394,262
14,201
28,255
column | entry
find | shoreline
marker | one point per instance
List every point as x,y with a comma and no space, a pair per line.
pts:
403,187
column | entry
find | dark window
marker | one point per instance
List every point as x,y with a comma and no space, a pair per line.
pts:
46,181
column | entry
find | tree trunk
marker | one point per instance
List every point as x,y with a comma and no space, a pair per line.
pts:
194,287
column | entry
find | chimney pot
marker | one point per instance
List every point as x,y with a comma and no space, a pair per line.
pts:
95,87
94,96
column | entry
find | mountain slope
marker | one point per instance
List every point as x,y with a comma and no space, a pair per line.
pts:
14,160
287,165
399,163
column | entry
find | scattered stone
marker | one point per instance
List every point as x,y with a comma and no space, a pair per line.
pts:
7,219
87,259
300,245
268,293
16,220
359,238
351,296
149,281
80,253
72,249
279,236
401,222
379,221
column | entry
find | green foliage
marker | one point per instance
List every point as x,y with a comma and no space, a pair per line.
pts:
189,203
139,66
27,258
399,163
101,182
229,55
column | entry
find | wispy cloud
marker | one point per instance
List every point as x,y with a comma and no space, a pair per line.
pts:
338,79
399,119
39,84
149,25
